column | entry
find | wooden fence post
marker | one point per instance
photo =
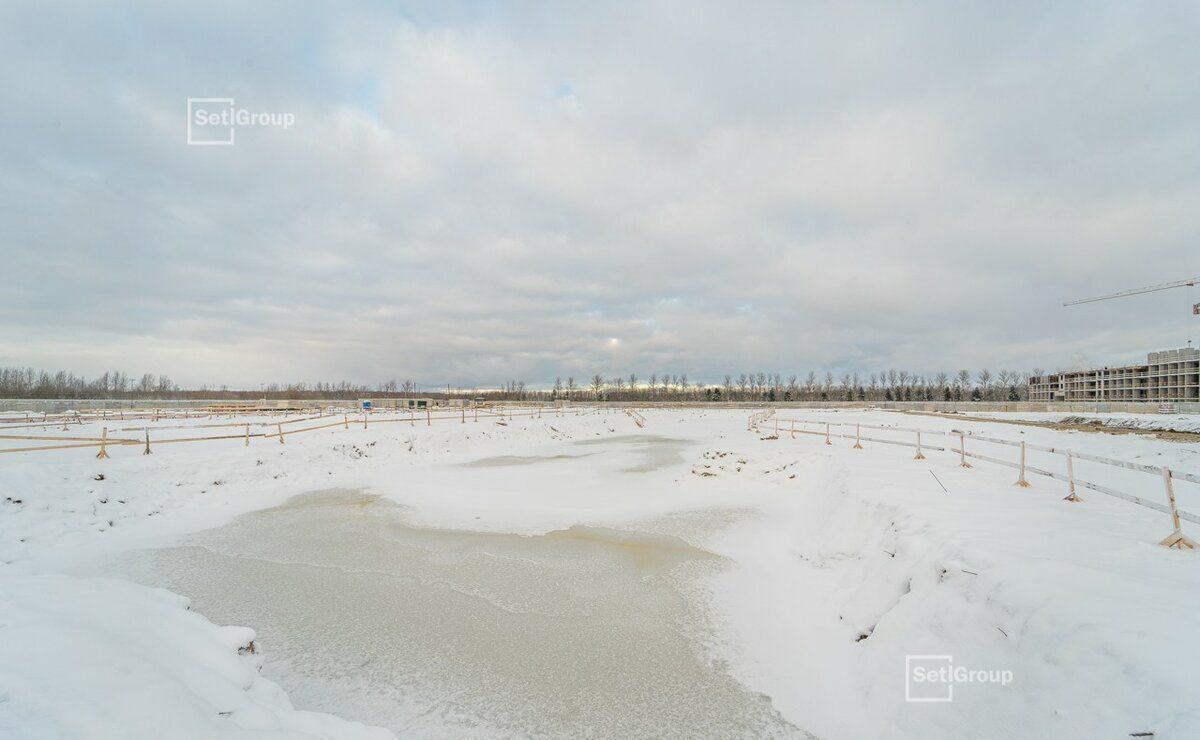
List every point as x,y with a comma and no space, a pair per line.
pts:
147,450
793,428
103,453
279,427
464,414
1073,497
247,435
919,455
428,418
962,451
345,421
364,419
1021,479
827,434
857,437
1177,538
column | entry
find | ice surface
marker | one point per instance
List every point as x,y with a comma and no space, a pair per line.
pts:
582,632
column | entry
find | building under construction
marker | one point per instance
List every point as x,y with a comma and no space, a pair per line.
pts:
1169,376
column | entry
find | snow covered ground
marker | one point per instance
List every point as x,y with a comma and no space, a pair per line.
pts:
834,564
1148,422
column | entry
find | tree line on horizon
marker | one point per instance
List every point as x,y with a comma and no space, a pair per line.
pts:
888,385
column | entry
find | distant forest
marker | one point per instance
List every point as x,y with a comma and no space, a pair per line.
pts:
889,385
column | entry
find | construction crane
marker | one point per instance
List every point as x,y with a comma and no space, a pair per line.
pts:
1188,283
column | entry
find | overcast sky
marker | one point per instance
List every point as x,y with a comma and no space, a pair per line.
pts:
473,192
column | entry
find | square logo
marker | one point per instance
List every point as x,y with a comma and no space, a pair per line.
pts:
928,678
210,121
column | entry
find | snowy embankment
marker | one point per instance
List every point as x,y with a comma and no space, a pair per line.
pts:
84,658
843,562
878,562
1144,422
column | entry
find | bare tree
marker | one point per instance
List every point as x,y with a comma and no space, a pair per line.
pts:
985,383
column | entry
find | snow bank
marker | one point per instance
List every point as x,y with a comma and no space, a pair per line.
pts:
846,562
869,560
1146,422
105,658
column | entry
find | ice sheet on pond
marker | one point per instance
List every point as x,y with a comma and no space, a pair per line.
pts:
584,632
635,453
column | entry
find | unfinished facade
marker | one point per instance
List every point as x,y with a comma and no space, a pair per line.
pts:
1167,377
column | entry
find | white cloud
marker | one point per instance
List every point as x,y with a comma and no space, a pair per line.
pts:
470,196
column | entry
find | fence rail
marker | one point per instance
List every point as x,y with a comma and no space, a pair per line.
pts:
1176,539
277,430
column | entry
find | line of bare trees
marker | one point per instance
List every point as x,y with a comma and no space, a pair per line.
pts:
25,382
888,385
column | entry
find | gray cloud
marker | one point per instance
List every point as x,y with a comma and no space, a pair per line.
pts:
478,192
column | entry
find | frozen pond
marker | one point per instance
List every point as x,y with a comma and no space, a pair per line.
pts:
582,632
639,453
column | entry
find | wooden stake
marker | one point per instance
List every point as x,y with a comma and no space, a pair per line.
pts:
1176,539
147,450
247,435
280,428
962,451
1021,479
827,434
103,453
919,455
857,437
428,418
345,421
1073,497
364,419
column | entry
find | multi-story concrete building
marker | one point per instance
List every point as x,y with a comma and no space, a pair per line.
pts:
1168,376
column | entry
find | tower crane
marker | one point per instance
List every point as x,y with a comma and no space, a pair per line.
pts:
1189,283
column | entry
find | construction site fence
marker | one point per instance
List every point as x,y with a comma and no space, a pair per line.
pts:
927,439
274,429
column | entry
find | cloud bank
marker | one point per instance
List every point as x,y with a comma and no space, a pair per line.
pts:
475,192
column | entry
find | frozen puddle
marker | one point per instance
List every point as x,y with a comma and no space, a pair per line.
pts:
637,453
436,633
651,452
501,461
